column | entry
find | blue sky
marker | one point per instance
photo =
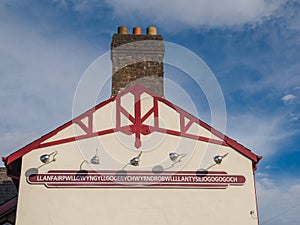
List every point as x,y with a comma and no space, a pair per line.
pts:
252,47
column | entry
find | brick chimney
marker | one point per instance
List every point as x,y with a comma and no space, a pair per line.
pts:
137,58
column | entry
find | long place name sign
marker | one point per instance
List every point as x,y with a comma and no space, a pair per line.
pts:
181,179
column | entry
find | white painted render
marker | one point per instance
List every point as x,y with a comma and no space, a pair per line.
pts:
38,204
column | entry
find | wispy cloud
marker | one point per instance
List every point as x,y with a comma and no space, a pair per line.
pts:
261,133
292,96
288,99
278,202
81,6
181,14
294,117
39,74
195,13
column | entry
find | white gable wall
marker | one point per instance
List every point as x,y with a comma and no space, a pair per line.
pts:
118,206
148,206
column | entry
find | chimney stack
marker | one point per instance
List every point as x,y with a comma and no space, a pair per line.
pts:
137,58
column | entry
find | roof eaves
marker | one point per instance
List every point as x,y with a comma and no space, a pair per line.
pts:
8,206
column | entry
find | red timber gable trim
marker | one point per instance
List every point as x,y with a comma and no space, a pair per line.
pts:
38,143
136,126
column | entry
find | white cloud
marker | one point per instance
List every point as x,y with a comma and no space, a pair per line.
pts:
82,6
284,78
294,117
278,205
195,13
261,134
288,99
260,174
268,167
39,74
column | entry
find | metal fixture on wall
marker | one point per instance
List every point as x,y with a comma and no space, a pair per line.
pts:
45,159
48,158
174,157
94,160
135,161
218,159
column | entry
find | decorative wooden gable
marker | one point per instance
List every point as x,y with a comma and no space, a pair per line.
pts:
135,112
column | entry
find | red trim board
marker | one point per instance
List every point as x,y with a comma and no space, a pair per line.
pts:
7,206
137,127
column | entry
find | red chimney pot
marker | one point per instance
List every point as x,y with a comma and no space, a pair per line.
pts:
137,30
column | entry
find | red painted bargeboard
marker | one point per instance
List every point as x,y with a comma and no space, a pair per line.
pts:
125,179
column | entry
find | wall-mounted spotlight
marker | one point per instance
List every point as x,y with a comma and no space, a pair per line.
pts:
218,159
174,157
94,160
136,160
47,158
